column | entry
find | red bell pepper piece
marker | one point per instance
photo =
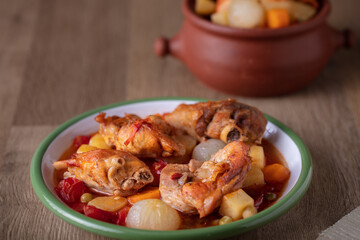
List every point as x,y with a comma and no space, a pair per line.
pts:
70,190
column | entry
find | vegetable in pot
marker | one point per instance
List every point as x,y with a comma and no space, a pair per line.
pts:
246,14
278,18
204,7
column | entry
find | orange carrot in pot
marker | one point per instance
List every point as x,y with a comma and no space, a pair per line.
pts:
278,18
222,5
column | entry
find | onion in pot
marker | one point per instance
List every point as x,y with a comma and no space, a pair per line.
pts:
153,214
204,150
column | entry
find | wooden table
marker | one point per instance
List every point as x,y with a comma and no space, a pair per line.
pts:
61,58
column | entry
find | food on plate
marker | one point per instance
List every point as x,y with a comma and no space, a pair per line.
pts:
153,214
148,194
254,177
147,137
198,187
108,203
237,205
257,13
107,171
203,151
257,155
201,165
227,120
276,173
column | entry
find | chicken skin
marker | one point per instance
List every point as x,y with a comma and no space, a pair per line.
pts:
149,137
107,171
198,187
227,120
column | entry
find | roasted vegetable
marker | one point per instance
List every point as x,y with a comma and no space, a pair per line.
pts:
257,155
149,194
109,204
153,214
205,150
237,205
246,14
278,18
276,173
204,7
255,177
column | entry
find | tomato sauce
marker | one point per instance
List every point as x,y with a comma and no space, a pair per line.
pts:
264,196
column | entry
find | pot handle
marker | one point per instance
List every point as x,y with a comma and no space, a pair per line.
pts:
345,38
164,46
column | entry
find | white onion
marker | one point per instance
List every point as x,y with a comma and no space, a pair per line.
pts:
153,214
246,14
204,150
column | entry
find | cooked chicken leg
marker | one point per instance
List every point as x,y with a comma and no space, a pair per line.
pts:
147,137
108,171
198,187
227,120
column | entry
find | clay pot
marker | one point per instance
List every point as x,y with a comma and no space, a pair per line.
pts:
255,62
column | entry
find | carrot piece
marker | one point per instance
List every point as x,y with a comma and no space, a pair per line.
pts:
276,173
278,18
147,194
222,5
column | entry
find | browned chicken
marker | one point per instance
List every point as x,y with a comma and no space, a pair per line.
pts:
198,187
227,120
108,171
149,137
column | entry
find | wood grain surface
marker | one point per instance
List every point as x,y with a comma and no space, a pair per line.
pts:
59,58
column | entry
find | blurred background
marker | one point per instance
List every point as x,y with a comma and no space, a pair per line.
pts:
106,48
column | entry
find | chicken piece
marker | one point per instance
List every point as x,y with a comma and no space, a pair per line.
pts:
227,120
198,187
108,171
149,137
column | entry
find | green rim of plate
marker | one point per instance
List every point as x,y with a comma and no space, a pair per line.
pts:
115,231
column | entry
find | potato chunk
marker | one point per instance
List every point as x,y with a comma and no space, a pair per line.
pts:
98,141
237,205
85,148
220,18
301,11
255,177
204,7
110,204
257,155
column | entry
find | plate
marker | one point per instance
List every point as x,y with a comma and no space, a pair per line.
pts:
41,172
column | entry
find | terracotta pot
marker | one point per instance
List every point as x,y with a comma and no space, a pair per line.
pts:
255,62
